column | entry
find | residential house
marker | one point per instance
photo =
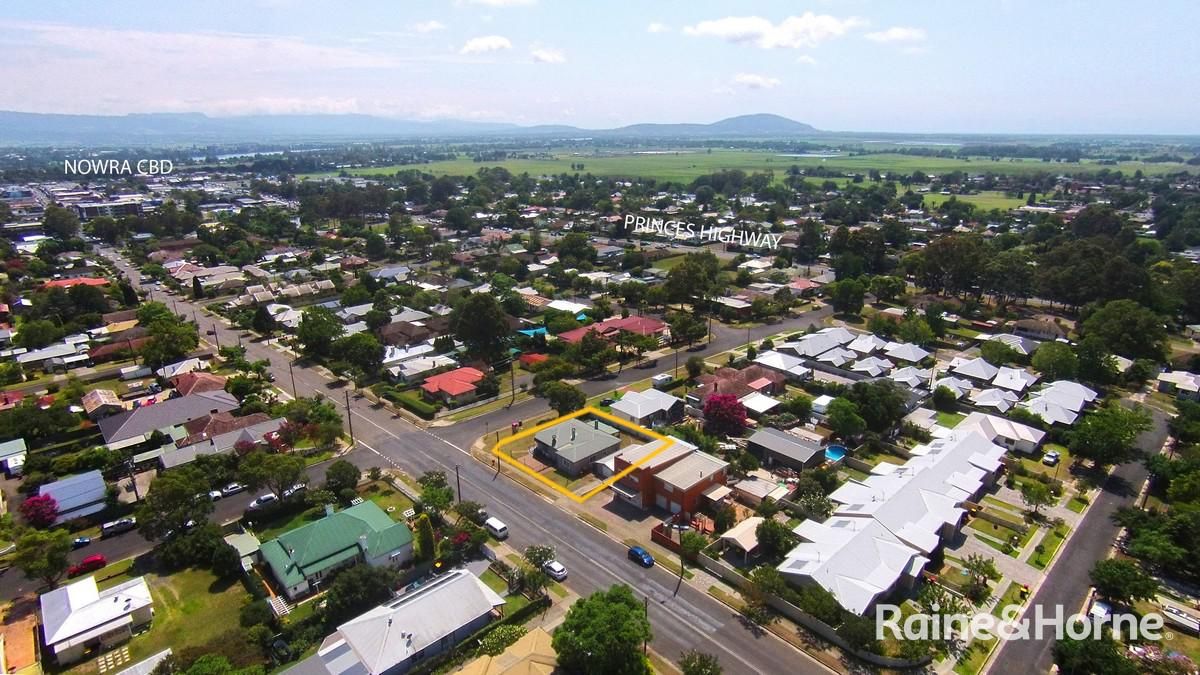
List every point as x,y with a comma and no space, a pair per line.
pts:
1183,384
12,456
957,386
404,333
790,366
872,366
398,635
572,445
648,408
911,377
533,654
904,351
1060,402
80,616
887,526
752,378
413,370
976,369
1039,329
1000,400
99,403
453,387
776,447
182,367
135,426
610,327
77,496
300,559
1014,379
679,487
1003,431
638,487
1021,345
197,382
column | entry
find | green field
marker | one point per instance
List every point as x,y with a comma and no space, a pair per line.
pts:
685,165
987,200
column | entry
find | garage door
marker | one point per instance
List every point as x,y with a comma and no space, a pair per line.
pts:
661,501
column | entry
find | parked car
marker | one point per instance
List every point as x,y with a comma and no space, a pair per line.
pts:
80,542
232,489
1051,458
119,526
641,556
88,564
262,501
215,495
298,487
555,570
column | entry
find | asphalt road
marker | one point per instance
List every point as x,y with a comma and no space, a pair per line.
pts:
689,619
1067,585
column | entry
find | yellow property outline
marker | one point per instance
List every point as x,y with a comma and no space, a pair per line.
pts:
589,410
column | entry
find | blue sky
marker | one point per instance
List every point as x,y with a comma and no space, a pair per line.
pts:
845,65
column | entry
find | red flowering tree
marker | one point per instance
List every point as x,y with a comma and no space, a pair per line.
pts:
724,415
40,511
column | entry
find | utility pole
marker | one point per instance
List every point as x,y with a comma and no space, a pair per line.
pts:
132,479
292,375
217,335
349,417
512,371
458,482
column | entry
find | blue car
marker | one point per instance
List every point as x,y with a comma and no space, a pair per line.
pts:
641,556
80,542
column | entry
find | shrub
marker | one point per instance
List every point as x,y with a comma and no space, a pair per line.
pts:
256,613
413,404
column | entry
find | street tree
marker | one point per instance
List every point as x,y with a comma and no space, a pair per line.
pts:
1122,581
538,555
604,633
318,329
846,296
272,471
342,475
436,493
42,555
481,324
175,498
693,662
562,397
1108,435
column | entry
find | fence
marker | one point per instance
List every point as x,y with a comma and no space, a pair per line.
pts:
804,619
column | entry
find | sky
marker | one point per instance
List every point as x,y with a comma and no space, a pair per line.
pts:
1004,66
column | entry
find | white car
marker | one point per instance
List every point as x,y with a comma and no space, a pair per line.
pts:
555,570
263,500
232,489
298,487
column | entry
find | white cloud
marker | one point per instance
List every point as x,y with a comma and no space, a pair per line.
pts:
548,55
753,81
502,3
806,60
795,32
657,27
898,34
429,26
487,43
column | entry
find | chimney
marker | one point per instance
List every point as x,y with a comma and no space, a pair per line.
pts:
572,433
554,441
596,424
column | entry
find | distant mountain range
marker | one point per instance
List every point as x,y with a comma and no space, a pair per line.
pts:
17,128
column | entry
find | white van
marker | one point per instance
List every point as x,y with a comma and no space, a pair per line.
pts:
498,529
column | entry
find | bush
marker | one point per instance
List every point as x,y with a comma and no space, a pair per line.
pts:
415,405
256,613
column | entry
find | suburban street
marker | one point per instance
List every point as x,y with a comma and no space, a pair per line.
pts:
690,619
1067,585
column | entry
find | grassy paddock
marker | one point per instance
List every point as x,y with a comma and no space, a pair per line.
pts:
685,165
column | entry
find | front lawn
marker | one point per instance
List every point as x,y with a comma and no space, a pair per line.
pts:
193,610
1050,545
385,496
271,527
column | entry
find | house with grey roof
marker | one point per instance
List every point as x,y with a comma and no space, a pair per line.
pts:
779,447
135,426
572,445
79,616
648,408
77,496
401,633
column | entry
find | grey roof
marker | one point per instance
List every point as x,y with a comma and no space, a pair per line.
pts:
14,447
171,412
221,443
691,470
590,439
79,495
639,404
392,633
783,443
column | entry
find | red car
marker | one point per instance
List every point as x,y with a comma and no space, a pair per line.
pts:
88,564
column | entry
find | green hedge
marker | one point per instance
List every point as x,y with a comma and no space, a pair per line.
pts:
415,405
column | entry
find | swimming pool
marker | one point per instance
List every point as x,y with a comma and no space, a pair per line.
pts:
835,453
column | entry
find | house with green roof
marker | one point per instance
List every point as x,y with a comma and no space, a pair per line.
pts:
302,558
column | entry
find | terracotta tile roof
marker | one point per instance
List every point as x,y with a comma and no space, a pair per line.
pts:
216,424
196,382
454,383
